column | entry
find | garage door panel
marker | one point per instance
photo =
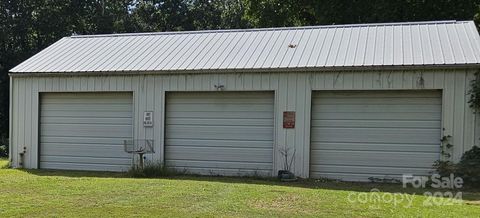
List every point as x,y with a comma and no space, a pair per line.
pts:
374,158
352,176
367,170
376,94
220,114
394,100
86,98
101,150
223,133
227,107
81,101
355,132
259,155
361,123
84,166
347,172
205,122
87,121
376,135
403,95
390,123
379,116
176,98
220,143
83,140
221,97
88,160
86,107
220,165
215,171
371,108
398,147
50,126
87,114
85,131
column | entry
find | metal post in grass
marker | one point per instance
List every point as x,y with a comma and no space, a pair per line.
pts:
139,147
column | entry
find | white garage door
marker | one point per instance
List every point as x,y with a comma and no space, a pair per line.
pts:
374,134
85,131
224,133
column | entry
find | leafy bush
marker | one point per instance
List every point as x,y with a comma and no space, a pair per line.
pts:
151,170
3,151
444,168
3,147
469,166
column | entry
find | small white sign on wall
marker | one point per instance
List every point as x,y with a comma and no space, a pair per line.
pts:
148,119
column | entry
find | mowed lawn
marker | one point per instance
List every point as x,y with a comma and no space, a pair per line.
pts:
37,193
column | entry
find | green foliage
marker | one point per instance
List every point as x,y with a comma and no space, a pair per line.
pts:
267,13
155,15
469,166
3,150
151,170
3,147
475,93
207,14
178,15
444,168
28,26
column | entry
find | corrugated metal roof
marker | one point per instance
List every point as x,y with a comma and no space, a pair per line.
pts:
367,45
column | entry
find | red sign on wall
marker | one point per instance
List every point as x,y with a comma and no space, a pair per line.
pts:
289,119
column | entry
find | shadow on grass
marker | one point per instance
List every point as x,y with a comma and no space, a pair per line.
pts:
468,194
74,173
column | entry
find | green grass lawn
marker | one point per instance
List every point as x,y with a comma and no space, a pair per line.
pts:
3,163
64,194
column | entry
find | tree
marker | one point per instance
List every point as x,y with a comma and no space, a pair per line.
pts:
178,15
28,26
265,13
156,15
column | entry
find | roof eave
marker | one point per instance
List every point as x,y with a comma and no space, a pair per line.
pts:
257,70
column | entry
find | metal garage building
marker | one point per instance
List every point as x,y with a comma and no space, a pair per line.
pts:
361,101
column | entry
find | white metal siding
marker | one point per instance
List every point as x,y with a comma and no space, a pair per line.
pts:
292,93
381,134
227,133
85,131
